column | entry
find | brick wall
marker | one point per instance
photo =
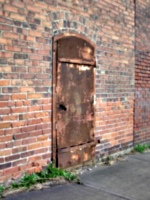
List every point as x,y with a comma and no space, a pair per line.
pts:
27,28
142,73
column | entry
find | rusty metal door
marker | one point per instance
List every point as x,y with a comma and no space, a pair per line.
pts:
74,101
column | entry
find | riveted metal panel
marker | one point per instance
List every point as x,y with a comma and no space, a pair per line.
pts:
75,50
75,111
73,156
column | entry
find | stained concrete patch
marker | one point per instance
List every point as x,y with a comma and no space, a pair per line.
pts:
129,179
65,192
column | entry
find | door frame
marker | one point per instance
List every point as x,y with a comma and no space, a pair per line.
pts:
54,78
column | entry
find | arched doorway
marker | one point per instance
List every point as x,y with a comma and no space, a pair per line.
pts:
73,100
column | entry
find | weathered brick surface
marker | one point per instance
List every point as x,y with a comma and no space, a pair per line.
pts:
27,28
142,73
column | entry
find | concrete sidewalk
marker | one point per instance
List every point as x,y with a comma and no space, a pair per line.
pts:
128,180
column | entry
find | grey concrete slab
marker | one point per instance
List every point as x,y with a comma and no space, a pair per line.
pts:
130,179
65,192
141,156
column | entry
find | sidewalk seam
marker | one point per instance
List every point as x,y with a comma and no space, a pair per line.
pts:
108,192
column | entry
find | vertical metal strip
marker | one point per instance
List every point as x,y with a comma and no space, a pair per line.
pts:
54,137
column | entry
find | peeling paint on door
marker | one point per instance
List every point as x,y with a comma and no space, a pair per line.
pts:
74,108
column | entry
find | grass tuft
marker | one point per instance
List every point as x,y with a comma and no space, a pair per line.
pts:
43,176
31,179
141,148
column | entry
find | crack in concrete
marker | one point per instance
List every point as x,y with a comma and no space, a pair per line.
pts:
123,196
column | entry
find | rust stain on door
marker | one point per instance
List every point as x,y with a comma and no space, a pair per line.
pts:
74,101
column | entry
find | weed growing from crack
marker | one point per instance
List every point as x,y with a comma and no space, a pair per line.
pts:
43,176
2,188
47,174
141,148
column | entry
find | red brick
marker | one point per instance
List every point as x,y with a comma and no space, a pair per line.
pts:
19,62
44,101
34,95
46,82
35,69
19,162
34,108
43,52
35,33
26,50
35,63
34,146
5,41
5,27
47,107
17,4
18,124
5,125
34,121
10,103
10,8
28,128
26,103
18,103
41,114
41,150
19,149
42,137
36,57
47,119
4,82
16,82
17,17
35,133
11,170
18,96
2,145
5,111
29,141
28,38
2,160
10,118
10,35
12,157
47,131
12,48
27,76
41,5
19,110
5,55
3,104
5,139
46,143
34,8
34,158
26,89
